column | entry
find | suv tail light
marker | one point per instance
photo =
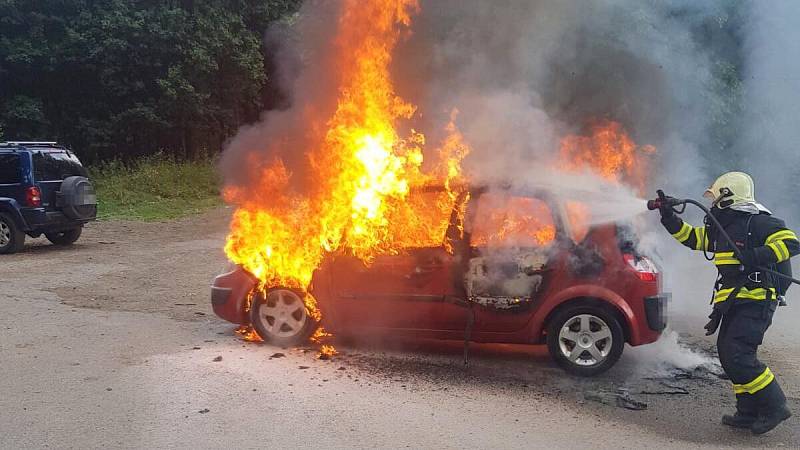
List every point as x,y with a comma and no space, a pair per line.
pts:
645,269
33,197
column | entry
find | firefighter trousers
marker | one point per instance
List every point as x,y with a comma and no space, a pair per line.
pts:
742,331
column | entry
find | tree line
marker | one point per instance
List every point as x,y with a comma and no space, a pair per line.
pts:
126,78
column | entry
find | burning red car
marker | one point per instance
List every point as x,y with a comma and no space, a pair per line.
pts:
508,269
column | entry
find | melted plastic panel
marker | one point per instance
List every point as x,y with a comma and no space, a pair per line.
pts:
506,281
511,237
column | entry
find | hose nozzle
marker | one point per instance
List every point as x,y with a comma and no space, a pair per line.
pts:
663,201
654,204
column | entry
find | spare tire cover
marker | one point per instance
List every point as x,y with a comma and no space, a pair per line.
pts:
77,198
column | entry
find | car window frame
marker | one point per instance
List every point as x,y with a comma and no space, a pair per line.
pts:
555,207
20,178
36,172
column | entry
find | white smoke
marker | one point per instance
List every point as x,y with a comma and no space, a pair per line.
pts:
769,137
669,353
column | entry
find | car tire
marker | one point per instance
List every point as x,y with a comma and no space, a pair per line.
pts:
280,317
585,340
12,239
67,237
77,198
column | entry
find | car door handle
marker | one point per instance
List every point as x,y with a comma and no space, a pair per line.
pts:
420,271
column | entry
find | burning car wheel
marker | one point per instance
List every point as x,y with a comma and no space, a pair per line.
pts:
281,317
585,341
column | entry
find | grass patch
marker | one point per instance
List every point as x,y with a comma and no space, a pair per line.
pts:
155,188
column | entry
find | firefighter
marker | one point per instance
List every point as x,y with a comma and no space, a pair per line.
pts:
744,298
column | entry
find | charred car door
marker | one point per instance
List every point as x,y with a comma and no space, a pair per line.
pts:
404,290
511,244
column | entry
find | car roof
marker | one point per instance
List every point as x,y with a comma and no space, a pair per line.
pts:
45,146
516,190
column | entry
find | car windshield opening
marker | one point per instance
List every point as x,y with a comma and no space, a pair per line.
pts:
9,169
56,166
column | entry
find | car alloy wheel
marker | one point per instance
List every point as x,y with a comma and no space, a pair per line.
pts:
282,314
585,337
11,238
585,340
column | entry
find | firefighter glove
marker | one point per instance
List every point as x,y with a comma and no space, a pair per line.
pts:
713,324
666,207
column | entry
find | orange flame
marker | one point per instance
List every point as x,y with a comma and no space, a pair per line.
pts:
363,170
519,221
609,152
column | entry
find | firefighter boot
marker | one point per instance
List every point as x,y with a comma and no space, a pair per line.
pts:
746,412
772,409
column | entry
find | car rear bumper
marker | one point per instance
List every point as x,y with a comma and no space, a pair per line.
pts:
229,293
40,220
650,318
655,310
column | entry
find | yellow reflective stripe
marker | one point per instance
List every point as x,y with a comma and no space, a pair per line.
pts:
744,293
725,258
781,235
763,383
782,246
683,234
759,383
722,295
754,294
780,250
700,234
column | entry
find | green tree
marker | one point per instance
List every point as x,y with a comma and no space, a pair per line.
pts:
118,78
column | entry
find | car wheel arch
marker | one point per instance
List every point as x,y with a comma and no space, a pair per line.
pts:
302,334
616,308
7,207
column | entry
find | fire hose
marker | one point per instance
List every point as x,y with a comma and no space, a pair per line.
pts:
673,203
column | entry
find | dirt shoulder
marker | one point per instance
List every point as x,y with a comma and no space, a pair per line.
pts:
135,278
154,267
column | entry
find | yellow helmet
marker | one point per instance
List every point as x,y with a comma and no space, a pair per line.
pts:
732,188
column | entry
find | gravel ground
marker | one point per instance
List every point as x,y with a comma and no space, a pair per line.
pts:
112,343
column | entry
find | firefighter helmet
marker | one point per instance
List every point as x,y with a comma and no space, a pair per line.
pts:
732,188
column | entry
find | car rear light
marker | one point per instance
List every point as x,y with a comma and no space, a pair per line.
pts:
645,269
33,197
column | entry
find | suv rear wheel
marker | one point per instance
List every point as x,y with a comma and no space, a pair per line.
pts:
12,239
67,237
281,317
585,340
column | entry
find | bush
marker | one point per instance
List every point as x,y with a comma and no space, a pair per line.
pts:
155,188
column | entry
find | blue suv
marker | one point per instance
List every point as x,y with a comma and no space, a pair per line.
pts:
44,189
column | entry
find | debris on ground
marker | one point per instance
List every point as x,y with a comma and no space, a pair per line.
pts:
303,367
705,372
621,398
668,389
217,359
625,400
204,410
277,355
